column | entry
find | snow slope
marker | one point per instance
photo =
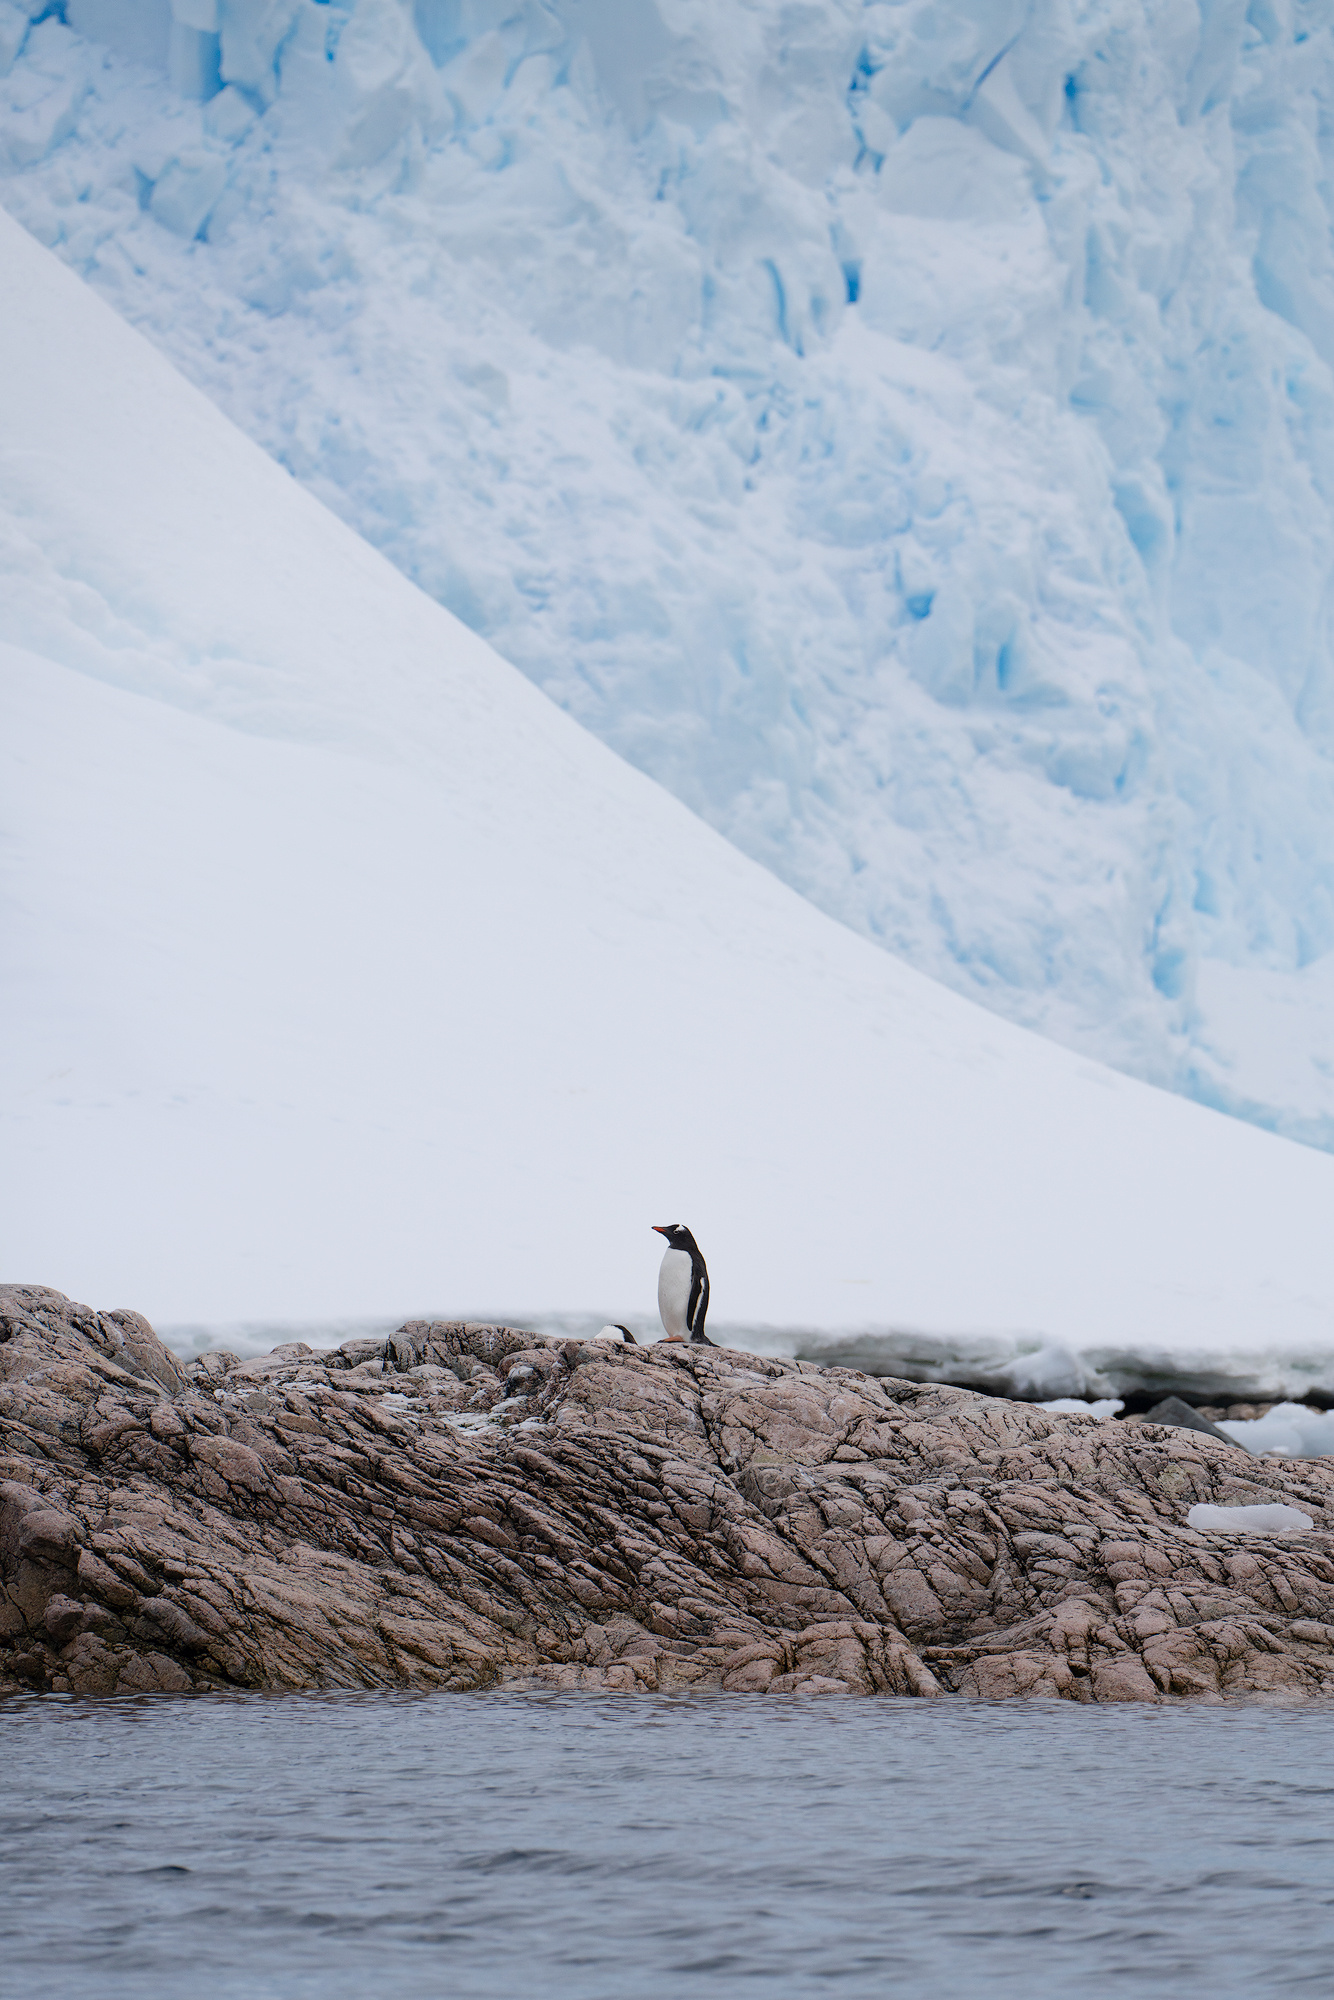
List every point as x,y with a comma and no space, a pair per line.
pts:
344,974
903,429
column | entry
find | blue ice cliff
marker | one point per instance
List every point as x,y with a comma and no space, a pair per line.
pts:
905,430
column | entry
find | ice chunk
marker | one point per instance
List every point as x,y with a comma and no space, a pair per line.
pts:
999,111
385,83
44,94
137,29
193,61
188,190
1268,1520
253,31
1291,1430
229,115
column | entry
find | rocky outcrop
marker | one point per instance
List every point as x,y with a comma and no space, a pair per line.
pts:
461,1506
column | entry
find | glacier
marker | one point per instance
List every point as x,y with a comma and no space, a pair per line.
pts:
343,976
904,430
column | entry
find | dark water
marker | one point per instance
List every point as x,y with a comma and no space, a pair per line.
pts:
516,1845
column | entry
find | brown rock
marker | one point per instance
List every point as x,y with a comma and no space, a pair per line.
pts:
62,1618
1123,1679
102,1582
617,1519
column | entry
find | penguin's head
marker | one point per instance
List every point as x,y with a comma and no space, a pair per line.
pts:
678,1236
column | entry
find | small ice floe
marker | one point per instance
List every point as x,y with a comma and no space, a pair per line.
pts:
1291,1430
1073,1406
1271,1520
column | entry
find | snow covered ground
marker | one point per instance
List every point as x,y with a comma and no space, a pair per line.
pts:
903,429
344,976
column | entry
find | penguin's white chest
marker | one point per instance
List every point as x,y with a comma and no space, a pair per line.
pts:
674,1275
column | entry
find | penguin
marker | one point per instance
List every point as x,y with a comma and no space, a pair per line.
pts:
617,1332
683,1286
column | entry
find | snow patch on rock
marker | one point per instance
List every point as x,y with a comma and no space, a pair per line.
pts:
1272,1520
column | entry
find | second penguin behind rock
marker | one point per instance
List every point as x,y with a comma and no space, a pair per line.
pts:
683,1286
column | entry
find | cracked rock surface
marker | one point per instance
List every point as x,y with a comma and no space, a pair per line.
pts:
461,1506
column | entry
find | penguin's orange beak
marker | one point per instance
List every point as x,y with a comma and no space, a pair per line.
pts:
662,1228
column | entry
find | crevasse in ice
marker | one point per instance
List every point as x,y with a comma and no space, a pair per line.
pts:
906,430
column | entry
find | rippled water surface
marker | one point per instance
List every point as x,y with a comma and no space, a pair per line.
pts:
311,1848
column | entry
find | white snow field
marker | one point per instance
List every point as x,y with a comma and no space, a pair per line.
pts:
905,430
344,975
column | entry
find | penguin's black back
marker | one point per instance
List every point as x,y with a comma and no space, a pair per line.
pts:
698,1307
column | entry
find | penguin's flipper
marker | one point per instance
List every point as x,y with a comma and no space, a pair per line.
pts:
630,1340
702,1340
